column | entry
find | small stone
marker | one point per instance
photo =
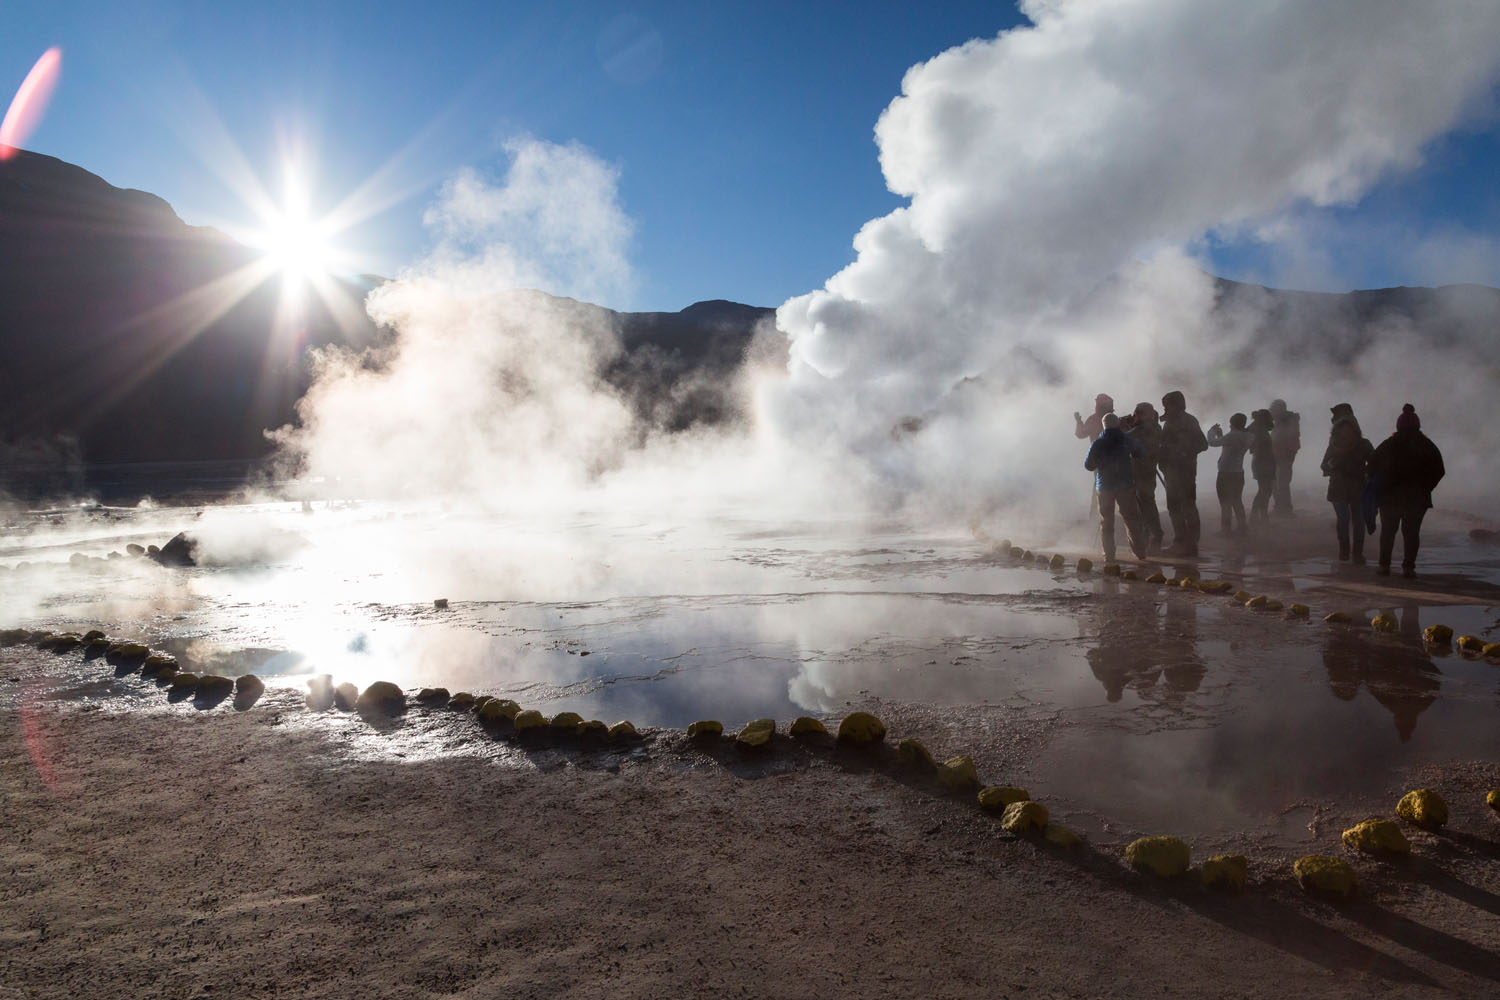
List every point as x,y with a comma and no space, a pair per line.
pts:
346,697
1424,808
1085,565
247,691
565,720
61,642
1321,873
1157,577
912,753
958,773
1187,583
860,729
706,728
1024,817
482,701
1016,552
1438,635
1491,649
998,798
1385,622
1492,799
1241,596
1299,611
126,652
622,730
1130,574
434,697
13,636
1027,555
134,549
1061,836
1226,872
1378,836
1214,586
379,699
1471,644
756,735
503,706
165,674
1173,582
154,663
1163,856
1041,560
495,711
462,701
1003,545
183,680
1259,601
441,603
529,721
320,692
93,634
806,725
1272,604
1335,618
1057,563
1111,569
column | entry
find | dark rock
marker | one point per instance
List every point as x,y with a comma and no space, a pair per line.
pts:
462,701
126,652
433,697
345,697
182,550
320,692
135,550
247,691
381,699
93,634
213,688
154,663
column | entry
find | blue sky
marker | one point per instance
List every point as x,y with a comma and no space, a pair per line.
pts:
742,132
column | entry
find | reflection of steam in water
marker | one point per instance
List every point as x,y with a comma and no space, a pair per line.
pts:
1400,674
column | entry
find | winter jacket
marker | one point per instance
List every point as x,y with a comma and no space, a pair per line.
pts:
1143,466
1346,463
1408,466
1109,459
1262,451
1181,443
1286,435
1235,444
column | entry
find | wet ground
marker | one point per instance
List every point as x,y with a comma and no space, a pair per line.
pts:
1129,706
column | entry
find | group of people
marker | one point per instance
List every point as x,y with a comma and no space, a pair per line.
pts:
1128,455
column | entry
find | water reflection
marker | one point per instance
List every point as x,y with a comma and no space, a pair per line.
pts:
1399,673
1140,639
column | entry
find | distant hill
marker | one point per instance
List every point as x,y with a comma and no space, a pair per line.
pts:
117,343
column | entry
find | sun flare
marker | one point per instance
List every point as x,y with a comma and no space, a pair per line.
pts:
296,247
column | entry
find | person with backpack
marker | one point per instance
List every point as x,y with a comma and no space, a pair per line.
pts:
1181,443
1406,469
1109,458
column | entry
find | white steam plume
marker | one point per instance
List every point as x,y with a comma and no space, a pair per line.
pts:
1060,177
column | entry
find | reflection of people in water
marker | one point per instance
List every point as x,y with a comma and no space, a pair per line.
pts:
1179,645
1140,643
1399,675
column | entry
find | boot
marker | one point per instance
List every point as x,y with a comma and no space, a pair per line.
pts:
1357,557
1343,534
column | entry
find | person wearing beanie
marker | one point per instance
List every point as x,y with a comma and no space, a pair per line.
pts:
1109,458
1286,441
1181,443
1346,463
1230,482
1406,468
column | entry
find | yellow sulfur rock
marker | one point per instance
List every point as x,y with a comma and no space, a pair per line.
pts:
861,728
1260,601
1164,856
1174,582
1024,817
1321,873
913,754
1272,604
529,720
1156,578
1111,569
1061,836
959,773
1423,807
1215,586
622,730
1385,622
1085,565
1130,574
705,728
1241,596
1299,611
998,798
1187,583
214,686
1335,618
806,725
1438,635
565,720
380,698
1491,649
1057,563
463,701
756,734
1471,644
1378,836
592,729
1492,799
1226,872
495,710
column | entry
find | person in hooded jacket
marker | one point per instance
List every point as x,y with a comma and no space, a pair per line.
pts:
1088,430
1346,463
1230,482
1406,467
1181,443
1145,426
1109,459
1262,465
1286,441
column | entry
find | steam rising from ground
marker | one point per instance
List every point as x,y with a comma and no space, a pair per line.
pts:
1064,181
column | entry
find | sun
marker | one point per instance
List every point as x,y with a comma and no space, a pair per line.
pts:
295,245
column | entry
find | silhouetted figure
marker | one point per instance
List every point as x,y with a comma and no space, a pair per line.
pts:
1262,465
1180,445
1286,441
1109,459
1088,430
1346,463
1406,467
1400,676
1230,483
1145,427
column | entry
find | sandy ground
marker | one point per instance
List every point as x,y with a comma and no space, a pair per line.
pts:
150,849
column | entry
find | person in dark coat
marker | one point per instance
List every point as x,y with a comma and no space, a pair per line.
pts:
1145,427
1229,484
1088,430
1346,463
1406,468
1286,441
1109,459
1262,465
1181,443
